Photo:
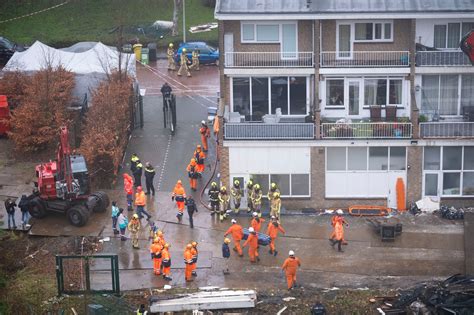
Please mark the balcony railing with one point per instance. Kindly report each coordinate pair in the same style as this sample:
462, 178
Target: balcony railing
441, 58
364, 59
264, 131
380, 130
269, 59
447, 130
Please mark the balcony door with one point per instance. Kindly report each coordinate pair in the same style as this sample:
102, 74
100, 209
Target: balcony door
354, 97
289, 42
344, 41
229, 49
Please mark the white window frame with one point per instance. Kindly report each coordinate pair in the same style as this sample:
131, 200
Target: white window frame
290, 182
256, 41
458, 109
387, 97
447, 33
382, 40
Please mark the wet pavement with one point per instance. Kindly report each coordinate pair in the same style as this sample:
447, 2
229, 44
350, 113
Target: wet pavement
428, 246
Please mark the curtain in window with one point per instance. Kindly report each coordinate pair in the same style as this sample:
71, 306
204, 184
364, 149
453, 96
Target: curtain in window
467, 91
448, 101
466, 27
440, 36
395, 96
454, 30
429, 94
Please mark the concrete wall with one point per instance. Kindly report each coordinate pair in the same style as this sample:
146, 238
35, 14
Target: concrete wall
425, 29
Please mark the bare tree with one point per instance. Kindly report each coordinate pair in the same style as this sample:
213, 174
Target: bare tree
177, 6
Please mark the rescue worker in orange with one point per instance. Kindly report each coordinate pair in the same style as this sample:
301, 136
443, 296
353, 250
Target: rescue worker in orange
188, 262
290, 266
179, 194
205, 134
194, 251
155, 250
192, 174
140, 202
273, 229
338, 217
256, 222
200, 157
128, 187
237, 233
338, 235
252, 242
166, 262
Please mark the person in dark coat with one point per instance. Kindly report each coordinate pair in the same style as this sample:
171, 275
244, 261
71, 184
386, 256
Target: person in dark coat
226, 255
10, 207
24, 206
191, 207
137, 174
149, 175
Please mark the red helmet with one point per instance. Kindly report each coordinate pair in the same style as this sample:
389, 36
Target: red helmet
139, 189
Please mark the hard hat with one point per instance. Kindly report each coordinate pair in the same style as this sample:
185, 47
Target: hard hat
193, 160
194, 243
203, 122
167, 245
276, 195
170, 45
274, 185
139, 188
273, 217
189, 246
291, 253
135, 216
198, 146
236, 182
148, 164
250, 182
179, 181
159, 233
254, 214
184, 50
213, 184
226, 240
251, 229
257, 186
223, 188
233, 221
339, 211
156, 240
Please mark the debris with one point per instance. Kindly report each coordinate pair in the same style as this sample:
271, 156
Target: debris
331, 289
105, 239
327, 211
167, 287
203, 27
364, 210
452, 213
318, 309
428, 205
387, 229
372, 300
288, 299
282, 310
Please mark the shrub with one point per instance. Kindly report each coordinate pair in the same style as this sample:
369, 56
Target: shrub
13, 85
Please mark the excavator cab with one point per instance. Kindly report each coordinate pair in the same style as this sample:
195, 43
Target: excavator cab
80, 173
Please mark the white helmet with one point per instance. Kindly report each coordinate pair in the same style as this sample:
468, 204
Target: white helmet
203, 122
251, 229
339, 211
273, 217
254, 214
291, 253
233, 221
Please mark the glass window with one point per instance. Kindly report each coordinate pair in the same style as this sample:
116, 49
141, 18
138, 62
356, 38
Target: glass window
451, 183
298, 95
431, 158
259, 97
375, 92
336, 159
431, 184
241, 95
248, 32
439, 36
395, 90
468, 158
468, 184
357, 159
452, 158
448, 101
378, 158
466, 27
300, 184
429, 93
262, 180
397, 158
467, 93
387, 31
283, 182
363, 31
279, 94
268, 33
454, 35
335, 92
378, 31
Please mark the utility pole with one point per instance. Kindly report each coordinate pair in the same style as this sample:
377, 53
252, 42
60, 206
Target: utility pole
184, 21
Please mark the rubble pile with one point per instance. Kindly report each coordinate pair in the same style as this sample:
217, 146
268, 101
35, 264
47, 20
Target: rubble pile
451, 213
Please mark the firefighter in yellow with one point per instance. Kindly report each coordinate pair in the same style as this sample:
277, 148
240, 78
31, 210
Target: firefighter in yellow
195, 60
184, 63
170, 55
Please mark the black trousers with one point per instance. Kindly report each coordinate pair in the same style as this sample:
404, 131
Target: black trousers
214, 206
191, 224
339, 244
138, 180
149, 186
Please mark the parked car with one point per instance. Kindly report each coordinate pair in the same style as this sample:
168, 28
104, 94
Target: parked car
207, 54
8, 48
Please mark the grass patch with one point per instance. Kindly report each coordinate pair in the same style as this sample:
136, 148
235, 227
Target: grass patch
92, 20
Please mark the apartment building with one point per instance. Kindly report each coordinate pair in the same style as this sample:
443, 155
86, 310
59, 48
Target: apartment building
336, 100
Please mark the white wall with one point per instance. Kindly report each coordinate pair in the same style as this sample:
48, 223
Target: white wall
425, 29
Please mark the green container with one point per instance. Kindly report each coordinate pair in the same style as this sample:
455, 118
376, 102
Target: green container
145, 54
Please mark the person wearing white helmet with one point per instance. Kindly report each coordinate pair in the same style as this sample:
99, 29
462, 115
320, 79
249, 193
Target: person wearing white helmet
274, 227
205, 134
237, 233
170, 56
256, 222
252, 241
290, 266
335, 218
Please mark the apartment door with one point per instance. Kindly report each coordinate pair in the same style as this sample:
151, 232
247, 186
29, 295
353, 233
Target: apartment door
354, 97
344, 42
229, 49
289, 44
243, 179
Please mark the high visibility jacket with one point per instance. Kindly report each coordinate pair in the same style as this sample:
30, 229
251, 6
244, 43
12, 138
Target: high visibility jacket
128, 184
236, 231
236, 192
179, 193
339, 231
191, 169
195, 54
257, 196
224, 197
204, 131
199, 156
184, 59
273, 230
149, 172
275, 204
165, 257
257, 224
214, 194
134, 225
252, 241
271, 192
133, 162
155, 249
170, 52
291, 264
188, 256
140, 199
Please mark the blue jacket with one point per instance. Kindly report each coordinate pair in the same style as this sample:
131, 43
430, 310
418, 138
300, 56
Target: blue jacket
115, 211
225, 250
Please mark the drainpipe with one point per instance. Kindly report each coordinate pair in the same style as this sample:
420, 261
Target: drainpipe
415, 113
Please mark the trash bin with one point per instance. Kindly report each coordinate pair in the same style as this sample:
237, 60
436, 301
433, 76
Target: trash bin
137, 49
145, 55
152, 52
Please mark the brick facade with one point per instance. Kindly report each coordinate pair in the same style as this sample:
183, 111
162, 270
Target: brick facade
414, 173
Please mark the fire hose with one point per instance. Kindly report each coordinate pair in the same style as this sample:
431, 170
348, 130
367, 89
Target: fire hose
205, 205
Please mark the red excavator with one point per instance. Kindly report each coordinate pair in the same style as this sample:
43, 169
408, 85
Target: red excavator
63, 186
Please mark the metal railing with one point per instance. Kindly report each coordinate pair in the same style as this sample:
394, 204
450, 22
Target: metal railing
441, 58
269, 59
264, 131
447, 130
379, 130
369, 59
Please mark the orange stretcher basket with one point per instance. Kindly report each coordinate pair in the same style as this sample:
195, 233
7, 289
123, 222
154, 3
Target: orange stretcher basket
364, 210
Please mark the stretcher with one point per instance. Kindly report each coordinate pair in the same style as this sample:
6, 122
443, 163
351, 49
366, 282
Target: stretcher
263, 239
364, 210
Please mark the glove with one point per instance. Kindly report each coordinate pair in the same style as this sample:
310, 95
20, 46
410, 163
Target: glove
172, 198
152, 255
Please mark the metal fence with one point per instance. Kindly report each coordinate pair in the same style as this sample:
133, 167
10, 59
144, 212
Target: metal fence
381, 130
269, 59
263, 131
441, 58
447, 130
370, 59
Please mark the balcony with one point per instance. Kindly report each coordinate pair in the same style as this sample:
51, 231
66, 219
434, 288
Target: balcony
447, 130
378, 130
268, 131
269, 59
441, 59
364, 59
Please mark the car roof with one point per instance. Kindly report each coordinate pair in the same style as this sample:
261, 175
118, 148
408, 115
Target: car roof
188, 44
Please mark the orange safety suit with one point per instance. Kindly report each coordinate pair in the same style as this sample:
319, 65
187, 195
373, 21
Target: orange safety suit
200, 156
192, 173
140, 199
237, 234
272, 231
166, 262
290, 266
194, 251
338, 231
179, 195
252, 241
128, 184
155, 249
334, 220
205, 133
257, 224
188, 261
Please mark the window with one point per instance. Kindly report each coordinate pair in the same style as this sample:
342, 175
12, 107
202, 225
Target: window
468, 158
375, 91
262, 180
452, 158
261, 32
454, 34
241, 95
451, 183
449, 35
397, 158
283, 182
439, 94
259, 97
335, 92
290, 185
440, 36
432, 158
378, 158
279, 86
300, 184
297, 95
467, 92
468, 184
431, 184
395, 92
268, 33
357, 159
373, 31
336, 159
248, 32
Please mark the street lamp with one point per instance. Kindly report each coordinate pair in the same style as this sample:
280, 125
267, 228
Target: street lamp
184, 21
